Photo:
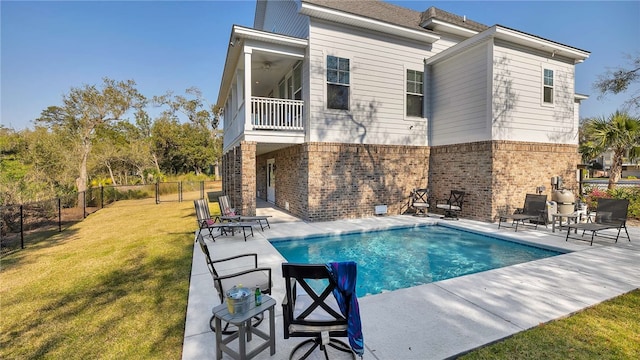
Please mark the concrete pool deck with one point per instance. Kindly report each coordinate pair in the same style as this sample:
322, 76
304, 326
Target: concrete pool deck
437, 320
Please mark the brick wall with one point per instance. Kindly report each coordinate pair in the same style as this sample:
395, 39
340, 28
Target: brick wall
497, 174
239, 177
329, 181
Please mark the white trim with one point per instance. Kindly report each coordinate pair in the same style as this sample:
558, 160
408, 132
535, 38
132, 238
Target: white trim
513, 36
367, 23
439, 25
248, 33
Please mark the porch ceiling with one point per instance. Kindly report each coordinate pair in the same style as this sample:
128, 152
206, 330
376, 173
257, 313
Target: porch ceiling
263, 148
266, 71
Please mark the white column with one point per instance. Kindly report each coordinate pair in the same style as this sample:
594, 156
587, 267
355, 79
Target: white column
247, 89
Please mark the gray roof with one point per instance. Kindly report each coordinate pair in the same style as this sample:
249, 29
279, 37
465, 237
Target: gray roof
435, 13
396, 15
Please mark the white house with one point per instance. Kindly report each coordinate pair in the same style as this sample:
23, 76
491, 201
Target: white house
333, 107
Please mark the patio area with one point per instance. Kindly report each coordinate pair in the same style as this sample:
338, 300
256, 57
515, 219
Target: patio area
437, 320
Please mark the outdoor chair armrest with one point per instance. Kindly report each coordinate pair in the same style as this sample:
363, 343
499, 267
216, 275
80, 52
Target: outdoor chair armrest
254, 255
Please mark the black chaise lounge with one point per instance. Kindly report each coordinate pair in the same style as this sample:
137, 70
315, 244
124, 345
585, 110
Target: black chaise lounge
610, 214
532, 212
230, 214
205, 222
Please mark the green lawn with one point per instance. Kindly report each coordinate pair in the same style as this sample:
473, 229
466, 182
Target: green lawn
610, 330
115, 287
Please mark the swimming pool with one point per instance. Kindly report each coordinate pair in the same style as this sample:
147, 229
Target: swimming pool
400, 258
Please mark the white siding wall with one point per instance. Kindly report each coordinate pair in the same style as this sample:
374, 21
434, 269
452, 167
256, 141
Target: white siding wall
378, 65
460, 92
518, 111
282, 17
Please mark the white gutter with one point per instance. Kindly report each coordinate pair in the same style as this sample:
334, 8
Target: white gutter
320, 12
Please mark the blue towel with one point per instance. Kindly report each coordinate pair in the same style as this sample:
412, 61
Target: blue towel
344, 274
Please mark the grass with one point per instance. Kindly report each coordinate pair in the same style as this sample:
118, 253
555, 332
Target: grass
115, 286
610, 330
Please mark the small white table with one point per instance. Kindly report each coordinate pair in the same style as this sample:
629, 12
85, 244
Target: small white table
245, 330
575, 217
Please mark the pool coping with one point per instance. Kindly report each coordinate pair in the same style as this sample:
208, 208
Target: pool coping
446, 318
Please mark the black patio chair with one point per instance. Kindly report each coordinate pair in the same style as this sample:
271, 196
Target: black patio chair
453, 205
245, 271
310, 310
420, 201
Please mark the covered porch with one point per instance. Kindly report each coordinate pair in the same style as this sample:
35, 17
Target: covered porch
261, 90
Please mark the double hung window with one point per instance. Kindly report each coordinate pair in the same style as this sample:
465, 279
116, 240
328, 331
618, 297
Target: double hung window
415, 93
337, 83
547, 86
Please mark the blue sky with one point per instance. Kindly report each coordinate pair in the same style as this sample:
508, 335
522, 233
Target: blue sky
48, 47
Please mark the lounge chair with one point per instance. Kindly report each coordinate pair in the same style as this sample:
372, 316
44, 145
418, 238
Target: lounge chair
420, 201
310, 310
532, 212
249, 274
230, 214
453, 205
610, 214
205, 222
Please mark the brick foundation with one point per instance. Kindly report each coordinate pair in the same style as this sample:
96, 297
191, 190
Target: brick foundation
330, 181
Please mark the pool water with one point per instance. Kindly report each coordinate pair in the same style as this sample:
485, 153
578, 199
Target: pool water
400, 258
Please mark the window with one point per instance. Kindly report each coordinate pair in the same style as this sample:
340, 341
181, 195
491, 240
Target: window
337, 83
547, 87
415, 93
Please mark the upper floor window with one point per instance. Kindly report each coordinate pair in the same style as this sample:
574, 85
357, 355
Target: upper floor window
415, 93
547, 87
337, 83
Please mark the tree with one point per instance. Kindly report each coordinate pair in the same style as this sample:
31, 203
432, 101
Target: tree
196, 109
618, 80
85, 109
619, 133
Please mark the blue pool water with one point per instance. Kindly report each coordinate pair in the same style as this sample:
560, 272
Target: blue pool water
400, 258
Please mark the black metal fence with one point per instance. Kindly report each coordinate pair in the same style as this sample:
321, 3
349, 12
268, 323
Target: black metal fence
21, 223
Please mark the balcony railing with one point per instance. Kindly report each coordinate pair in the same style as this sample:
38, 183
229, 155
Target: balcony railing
276, 114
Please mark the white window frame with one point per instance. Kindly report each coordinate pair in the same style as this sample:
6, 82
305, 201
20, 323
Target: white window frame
327, 82
407, 92
545, 86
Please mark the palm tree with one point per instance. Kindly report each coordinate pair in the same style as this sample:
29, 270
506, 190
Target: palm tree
619, 133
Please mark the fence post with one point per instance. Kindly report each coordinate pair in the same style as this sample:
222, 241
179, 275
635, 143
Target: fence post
157, 193
21, 228
84, 204
101, 196
202, 189
59, 215
180, 191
